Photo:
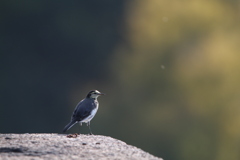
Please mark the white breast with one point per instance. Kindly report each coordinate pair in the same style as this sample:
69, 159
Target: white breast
90, 117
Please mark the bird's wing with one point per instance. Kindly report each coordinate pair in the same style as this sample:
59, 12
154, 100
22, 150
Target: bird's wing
83, 109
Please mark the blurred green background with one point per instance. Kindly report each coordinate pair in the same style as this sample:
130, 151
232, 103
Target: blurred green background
170, 70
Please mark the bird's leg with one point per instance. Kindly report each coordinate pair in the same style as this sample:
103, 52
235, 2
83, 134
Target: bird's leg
80, 124
89, 128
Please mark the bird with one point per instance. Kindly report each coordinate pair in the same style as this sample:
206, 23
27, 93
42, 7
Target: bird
85, 110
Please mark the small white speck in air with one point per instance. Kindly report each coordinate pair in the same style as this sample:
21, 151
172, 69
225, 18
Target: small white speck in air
165, 19
162, 66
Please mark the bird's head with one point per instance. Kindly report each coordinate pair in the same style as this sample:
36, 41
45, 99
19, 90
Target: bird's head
94, 94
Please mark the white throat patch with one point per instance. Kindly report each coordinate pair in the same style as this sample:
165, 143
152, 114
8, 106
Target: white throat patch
94, 96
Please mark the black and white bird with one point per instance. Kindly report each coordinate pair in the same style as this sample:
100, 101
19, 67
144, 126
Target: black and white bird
85, 110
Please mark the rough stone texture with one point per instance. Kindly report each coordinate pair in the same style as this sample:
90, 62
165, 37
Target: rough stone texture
58, 146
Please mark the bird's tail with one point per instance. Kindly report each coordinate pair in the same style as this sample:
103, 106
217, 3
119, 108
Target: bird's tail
69, 125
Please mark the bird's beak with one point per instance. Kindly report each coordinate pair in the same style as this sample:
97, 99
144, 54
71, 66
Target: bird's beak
101, 94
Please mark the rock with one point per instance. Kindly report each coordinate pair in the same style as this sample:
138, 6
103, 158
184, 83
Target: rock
59, 146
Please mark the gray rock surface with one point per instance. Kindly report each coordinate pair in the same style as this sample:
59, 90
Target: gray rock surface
59, 146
